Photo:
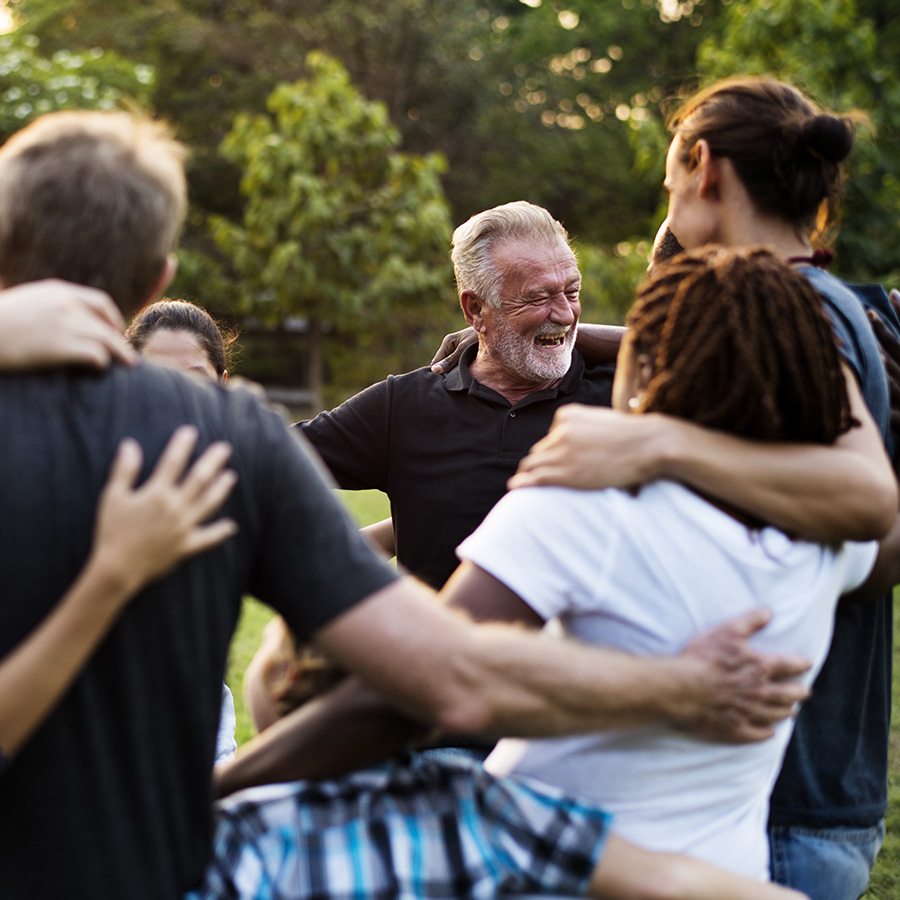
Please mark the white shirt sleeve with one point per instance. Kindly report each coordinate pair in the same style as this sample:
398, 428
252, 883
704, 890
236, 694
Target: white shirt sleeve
859, 560
548, 545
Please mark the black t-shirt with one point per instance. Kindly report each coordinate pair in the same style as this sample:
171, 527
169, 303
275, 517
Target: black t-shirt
111, 798
442, 447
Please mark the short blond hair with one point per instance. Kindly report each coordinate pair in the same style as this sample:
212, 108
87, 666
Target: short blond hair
475, 240
92, 197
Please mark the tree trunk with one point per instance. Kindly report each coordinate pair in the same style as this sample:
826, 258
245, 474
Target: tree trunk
314, 374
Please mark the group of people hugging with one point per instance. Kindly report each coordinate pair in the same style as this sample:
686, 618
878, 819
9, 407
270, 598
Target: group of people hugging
637, 640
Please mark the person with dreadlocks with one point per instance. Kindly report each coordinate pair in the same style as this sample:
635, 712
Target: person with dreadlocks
755, 161
640, 572
733, 340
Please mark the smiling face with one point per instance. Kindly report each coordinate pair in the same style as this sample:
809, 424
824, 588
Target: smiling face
532, 332
178, 349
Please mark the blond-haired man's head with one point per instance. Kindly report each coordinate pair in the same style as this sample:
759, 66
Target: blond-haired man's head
95, 198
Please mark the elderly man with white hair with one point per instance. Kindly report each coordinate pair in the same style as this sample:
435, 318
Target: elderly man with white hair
442, 446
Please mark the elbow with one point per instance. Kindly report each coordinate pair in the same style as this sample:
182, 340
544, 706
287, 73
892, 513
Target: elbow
465, 716
878, 511
863, 509
461, 703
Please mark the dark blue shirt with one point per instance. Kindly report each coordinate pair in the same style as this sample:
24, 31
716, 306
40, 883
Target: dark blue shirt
835, 770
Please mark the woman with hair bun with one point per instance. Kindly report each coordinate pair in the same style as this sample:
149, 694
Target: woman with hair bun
784, 152
753, 161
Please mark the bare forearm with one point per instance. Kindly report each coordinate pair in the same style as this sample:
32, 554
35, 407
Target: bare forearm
349, 727
35, 675
599, 343
382, 535
845, 491
434, 664
826, 493
572, 688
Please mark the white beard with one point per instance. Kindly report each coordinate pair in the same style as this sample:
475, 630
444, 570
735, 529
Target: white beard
525, 359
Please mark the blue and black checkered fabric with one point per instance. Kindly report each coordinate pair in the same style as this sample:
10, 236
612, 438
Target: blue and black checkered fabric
447, 829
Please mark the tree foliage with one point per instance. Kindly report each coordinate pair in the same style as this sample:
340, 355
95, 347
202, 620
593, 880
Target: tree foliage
842, 53
338, 227
560, 102
32, 84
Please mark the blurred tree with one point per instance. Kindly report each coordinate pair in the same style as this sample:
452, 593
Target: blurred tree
338, 228
609, 278
32, 84
557, 101
532, 100
573, 84
844, 54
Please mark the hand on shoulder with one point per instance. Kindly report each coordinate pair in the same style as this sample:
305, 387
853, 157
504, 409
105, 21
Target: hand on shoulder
50, 323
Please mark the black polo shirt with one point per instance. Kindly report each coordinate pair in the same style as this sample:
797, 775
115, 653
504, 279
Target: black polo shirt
442, 448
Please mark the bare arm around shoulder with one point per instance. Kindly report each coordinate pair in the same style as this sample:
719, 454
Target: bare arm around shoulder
54, 323
431, 662
382, 535
141, 534
846, 491
599, 343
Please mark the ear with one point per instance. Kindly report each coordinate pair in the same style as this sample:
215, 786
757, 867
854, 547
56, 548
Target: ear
644, 371
291, 671
706, 167
473, 308
170, 267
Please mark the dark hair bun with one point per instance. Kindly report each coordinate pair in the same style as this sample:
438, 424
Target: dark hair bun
828, 137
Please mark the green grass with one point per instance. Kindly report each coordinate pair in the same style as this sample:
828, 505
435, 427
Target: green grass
366, 507
885, 883
371, 506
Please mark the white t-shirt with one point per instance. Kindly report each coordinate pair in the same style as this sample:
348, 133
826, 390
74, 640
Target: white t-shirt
645, 574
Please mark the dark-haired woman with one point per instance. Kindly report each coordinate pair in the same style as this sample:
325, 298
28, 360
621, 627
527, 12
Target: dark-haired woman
754, 161
180, 335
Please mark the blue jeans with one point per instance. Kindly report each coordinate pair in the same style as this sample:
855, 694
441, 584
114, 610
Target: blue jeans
826, 863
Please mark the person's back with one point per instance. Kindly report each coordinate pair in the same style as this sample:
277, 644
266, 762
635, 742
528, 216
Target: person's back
645, 572
112, 796
851, 705
654, 570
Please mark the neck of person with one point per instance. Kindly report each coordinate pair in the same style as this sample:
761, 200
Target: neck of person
748, 227
492, 374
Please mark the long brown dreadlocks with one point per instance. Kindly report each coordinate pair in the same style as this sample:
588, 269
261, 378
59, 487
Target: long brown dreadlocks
739, 341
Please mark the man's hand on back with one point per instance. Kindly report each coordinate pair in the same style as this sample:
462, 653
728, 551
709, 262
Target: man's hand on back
743, 693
